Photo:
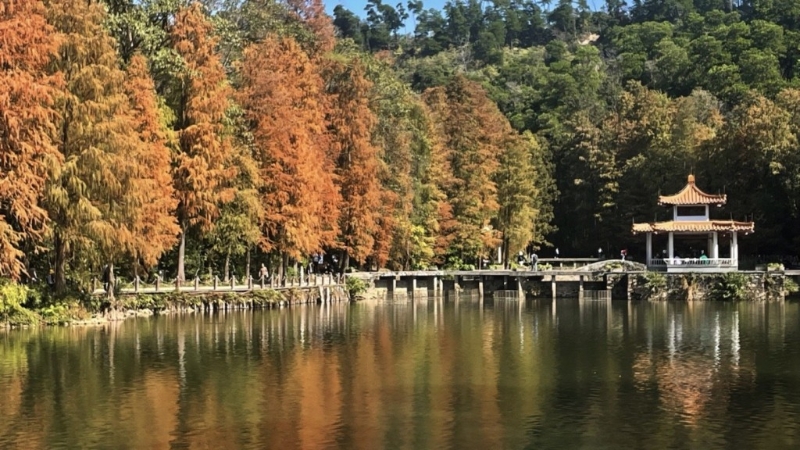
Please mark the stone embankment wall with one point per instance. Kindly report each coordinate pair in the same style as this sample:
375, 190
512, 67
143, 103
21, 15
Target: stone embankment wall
652, 286
745, 286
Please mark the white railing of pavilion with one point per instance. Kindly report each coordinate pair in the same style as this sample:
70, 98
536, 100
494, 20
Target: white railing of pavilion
693, 262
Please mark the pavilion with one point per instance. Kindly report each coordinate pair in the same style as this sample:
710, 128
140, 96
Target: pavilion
691, 219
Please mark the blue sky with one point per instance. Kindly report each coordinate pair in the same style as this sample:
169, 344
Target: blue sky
357, 6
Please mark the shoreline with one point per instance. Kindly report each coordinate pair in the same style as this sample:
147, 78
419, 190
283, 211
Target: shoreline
74, 313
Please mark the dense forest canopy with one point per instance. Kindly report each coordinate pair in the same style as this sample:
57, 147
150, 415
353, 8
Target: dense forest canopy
216, 135
628, 100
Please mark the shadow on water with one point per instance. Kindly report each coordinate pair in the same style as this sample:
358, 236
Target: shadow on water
428, 372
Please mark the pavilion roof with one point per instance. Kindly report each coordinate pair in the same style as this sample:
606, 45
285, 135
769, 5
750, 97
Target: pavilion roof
693, 226
692, 195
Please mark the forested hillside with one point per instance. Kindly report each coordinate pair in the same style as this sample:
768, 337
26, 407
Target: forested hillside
627, 100
217, 135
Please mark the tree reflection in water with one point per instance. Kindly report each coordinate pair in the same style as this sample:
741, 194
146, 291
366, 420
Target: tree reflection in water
430, 373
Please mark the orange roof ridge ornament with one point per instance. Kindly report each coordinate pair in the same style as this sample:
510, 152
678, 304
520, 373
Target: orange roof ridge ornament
691, 195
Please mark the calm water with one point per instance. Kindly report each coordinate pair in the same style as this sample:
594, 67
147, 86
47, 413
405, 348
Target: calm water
429, 374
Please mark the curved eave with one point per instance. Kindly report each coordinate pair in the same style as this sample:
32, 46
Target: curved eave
694, 227
692, 195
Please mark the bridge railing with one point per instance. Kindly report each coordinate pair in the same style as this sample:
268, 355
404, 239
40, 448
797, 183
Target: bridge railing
231, 285
568, 262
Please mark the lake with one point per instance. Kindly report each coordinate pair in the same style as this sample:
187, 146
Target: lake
413, 375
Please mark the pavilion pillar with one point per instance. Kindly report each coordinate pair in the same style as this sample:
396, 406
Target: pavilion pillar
715, 246
649, 248
734, 248
671, 246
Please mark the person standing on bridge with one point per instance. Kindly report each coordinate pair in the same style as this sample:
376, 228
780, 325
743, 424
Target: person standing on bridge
106, 277
521, 259
556, 252
263, 274
534, 261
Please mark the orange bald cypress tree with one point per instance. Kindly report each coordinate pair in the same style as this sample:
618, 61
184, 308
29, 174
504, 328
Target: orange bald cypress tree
351, 123
312, 14
200, 99
95, 200
155, 229
27, 153
281, 93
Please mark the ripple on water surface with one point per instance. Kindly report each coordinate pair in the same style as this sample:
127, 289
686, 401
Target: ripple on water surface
429, 373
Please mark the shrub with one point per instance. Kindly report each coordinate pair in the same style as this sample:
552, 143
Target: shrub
732, 286
455, 263
265, 297
63, 313
655, 282
181, 299
355, 286
789, 286
775, 267
12, 297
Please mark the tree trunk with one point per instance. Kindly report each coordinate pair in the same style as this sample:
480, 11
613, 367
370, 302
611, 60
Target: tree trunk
227, 265
247, 266
111, 281
61, 264
505, 251
182, 254
284, 265
345, 262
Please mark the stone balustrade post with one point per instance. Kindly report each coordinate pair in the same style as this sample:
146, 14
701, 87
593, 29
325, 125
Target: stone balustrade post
196, 283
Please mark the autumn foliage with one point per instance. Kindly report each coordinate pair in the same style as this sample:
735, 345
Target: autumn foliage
28, 156
473, 131
155, 229
96, 199
285, 145
200, 98
281, 93
351, 124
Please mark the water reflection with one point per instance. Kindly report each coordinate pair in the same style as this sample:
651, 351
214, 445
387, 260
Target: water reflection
415, 373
